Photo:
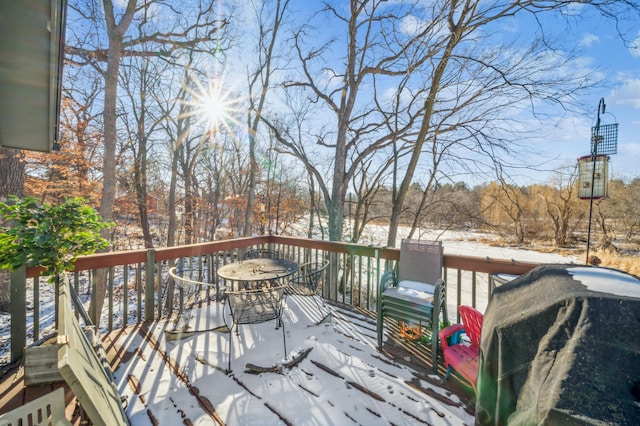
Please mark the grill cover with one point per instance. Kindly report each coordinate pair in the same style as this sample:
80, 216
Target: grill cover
561, 345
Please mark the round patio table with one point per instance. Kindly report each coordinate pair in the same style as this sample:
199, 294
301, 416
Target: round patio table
255, 273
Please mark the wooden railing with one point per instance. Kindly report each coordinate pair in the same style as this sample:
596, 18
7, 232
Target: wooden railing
138, 287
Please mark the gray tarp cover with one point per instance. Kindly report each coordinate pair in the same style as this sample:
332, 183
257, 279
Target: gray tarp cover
561, 345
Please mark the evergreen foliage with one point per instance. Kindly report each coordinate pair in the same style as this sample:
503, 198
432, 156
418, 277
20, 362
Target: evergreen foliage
50, 236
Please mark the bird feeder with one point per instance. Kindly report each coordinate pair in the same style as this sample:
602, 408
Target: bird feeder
592, 184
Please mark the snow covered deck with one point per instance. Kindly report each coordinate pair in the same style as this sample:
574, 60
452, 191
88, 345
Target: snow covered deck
332, 373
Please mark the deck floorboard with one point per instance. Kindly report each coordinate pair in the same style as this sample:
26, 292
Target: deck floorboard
121, 348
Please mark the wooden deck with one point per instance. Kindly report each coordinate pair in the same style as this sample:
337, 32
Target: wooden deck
141, 344
14, 393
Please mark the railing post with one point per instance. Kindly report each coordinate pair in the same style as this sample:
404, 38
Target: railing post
125, 294
110, 299
333, 276
150, 274
473, 288
36, 309
459, 293
19, 312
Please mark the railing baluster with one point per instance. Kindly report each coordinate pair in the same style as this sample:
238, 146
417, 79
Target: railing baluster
125, 295
459, 293
447, 296
110, 293
36, 309
343, 278
76, 286
150, 267
341, 275
18, 312
157, 272
139, 291
92, 287
473, 289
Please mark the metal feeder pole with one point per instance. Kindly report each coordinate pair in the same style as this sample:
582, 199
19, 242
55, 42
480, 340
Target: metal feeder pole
594, 155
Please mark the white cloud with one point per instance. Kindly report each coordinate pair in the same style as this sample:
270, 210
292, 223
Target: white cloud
412, 25
628, 93
588, 39
573, 9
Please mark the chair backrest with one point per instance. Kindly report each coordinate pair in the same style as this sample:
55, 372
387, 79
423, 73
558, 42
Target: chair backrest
311, 273
184, 283
420, 261
90, 379
261, 254
50, 408
472, 321
256, 306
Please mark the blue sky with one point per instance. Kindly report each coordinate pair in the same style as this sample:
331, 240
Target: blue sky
604, 54
609, 59
619, 64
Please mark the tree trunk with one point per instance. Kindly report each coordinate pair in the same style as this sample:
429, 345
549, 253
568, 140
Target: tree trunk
11, 183
171, 228
11, 173
140, 168
253, 169
339, 187
114, 54
455, 36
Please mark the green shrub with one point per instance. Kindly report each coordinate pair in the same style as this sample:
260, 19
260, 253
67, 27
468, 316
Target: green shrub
51, 236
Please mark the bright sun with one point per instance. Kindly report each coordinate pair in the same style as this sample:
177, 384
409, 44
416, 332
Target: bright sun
213, 107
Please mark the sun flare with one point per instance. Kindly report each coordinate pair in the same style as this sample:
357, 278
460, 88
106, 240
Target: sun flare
213, 107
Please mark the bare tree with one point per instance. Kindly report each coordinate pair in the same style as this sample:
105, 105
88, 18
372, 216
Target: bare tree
345, 90
505, 207
102, 44
460, 78
260, 81
292, 131
140, 80
465, 88
186, 142
562, 207
628, 207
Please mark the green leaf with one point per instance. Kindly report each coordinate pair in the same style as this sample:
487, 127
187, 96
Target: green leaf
51, 236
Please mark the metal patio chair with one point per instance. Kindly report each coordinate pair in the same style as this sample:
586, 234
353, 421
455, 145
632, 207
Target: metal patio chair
255, 307
193, 292
261, 253
308, 279
416, 293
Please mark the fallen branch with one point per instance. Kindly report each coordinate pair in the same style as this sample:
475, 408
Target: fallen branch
297, 359
256, 369
183, 333
203, 361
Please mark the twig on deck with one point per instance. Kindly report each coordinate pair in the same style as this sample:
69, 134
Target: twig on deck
202, 360
184, 332
256, 369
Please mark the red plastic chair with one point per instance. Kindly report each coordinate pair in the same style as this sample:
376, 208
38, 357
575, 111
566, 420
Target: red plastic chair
459, 355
